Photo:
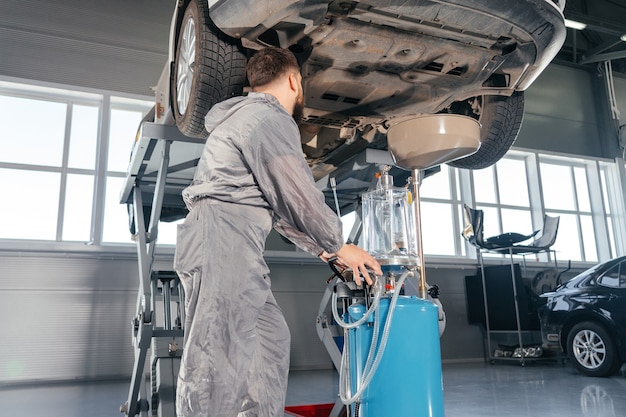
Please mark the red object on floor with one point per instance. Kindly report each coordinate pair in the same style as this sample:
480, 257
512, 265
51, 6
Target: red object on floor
312, 410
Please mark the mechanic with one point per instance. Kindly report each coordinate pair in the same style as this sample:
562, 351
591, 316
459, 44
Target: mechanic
251, 177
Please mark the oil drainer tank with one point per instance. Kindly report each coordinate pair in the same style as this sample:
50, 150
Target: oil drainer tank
391, 363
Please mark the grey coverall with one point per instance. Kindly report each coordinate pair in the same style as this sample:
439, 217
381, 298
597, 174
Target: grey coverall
251, 177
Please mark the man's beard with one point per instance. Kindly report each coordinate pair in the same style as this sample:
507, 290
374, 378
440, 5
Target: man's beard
298, 109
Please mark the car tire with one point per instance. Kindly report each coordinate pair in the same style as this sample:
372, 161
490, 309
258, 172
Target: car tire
500, 118
592, 350
209, 67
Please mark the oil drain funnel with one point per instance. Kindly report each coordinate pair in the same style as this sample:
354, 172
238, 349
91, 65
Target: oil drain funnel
423, 142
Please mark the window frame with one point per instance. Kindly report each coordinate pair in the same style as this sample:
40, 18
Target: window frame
456, 207
595, 192
105, 102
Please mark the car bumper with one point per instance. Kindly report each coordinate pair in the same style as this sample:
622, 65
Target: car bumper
551, 337
550, 329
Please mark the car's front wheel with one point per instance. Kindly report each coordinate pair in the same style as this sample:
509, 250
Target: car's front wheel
592, 350
209, 68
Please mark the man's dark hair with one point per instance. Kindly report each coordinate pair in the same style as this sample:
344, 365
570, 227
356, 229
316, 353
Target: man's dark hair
268, 64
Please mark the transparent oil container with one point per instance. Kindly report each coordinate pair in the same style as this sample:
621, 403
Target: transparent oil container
389, 231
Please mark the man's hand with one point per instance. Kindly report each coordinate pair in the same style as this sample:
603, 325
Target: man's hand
358, 260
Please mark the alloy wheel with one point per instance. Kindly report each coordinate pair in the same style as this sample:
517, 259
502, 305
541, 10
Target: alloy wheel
589, 349
186, 62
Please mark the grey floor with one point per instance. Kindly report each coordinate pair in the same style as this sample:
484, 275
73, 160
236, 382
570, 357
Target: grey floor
470, 390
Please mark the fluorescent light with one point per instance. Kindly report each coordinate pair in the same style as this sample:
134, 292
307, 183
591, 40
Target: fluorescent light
623, 37
575, 25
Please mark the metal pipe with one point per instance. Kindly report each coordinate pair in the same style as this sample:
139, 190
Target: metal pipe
333, 186
416, 176
490, 354
167, 303
516, 305
159, 193
181, 303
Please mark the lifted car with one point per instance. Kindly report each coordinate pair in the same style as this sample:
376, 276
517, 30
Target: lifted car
367, 65
586, 318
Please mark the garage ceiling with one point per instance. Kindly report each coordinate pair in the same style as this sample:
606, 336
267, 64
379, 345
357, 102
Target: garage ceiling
604, 34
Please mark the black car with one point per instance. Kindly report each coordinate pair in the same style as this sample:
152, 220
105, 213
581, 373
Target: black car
586, 317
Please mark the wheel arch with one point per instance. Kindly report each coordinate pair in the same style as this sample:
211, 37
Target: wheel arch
591, 316
177, 20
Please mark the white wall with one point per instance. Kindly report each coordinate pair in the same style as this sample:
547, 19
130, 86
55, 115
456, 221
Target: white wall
112, 45
69, 316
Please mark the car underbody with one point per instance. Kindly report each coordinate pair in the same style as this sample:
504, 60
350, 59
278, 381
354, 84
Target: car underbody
368, 65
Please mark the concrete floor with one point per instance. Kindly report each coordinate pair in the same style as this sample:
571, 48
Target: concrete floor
470, 390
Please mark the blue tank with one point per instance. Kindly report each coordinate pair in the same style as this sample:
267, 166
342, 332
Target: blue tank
408, 381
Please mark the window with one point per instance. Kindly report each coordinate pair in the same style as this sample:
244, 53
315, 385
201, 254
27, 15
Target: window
32, 131
440, 208
83, 137
566, 193
33, 208
78, 208
520, 189
49, 142
31, 161
611, 278
116, 228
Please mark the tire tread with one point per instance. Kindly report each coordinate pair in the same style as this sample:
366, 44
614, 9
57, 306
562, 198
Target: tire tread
220, 66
